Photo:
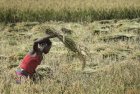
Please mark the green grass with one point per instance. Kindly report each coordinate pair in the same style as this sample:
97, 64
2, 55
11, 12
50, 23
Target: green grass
90, 15
68, 11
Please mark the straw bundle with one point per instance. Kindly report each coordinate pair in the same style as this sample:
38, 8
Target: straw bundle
68, 42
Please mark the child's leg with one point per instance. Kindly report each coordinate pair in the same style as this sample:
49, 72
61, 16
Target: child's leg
20, 78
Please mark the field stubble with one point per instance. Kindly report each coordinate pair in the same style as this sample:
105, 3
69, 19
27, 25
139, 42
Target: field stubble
113, 64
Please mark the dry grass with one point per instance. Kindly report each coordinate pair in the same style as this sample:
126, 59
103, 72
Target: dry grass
68, 42
68, 4
112, 68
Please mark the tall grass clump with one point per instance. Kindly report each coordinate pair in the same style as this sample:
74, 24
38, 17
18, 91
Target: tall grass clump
68, 11
69, 43
14, 15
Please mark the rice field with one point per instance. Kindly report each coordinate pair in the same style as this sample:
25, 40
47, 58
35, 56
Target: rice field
67, 10
112, 61
97, 51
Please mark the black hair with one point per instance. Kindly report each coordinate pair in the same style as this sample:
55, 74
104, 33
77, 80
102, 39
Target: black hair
48, 42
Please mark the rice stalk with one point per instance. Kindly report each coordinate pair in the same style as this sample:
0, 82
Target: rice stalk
69, 43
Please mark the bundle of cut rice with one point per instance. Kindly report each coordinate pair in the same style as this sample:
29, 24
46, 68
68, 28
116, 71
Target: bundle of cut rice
68, 42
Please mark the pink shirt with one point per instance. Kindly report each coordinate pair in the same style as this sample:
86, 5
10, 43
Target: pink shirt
30, 63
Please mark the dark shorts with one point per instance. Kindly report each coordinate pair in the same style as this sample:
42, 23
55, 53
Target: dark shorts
21, 74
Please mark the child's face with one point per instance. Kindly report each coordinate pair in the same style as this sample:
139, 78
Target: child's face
46, 49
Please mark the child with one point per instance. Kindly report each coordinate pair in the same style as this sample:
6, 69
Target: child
32, 59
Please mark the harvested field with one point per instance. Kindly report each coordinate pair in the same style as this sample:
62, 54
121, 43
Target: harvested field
112, 61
